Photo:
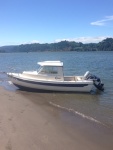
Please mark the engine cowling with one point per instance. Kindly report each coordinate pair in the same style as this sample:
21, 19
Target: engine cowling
96, 81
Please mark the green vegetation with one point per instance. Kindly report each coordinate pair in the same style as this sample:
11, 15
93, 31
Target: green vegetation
105, 45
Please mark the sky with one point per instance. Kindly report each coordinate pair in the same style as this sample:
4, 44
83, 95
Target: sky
49, 21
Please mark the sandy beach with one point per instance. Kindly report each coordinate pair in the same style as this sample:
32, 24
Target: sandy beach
28, 122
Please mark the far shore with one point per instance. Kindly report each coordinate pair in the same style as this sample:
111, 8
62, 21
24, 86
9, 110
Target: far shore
29, 122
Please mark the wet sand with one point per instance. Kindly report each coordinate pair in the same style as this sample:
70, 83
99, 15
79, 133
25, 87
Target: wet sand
29, 122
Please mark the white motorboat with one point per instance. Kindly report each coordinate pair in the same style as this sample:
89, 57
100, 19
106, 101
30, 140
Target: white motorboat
50, 76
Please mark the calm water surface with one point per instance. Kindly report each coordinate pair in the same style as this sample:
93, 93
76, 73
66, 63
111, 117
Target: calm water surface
96, 106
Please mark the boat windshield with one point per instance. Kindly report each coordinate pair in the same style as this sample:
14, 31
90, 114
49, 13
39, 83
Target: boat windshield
39, 69
48, 70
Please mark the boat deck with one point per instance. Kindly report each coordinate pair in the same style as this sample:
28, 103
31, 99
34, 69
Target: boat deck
73, 78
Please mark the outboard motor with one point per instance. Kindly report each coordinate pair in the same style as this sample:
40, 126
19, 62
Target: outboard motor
96, 81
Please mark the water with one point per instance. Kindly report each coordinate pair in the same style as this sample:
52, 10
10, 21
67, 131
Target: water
96, 106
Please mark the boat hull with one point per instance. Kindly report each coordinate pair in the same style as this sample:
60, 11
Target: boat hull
80, 86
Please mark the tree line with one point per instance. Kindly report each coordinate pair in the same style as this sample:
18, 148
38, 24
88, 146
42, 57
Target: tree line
105, 45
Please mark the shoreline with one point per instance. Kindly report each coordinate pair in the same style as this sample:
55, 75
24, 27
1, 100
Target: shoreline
28, 121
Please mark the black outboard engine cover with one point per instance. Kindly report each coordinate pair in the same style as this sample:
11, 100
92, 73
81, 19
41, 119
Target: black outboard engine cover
99, 86
96, 81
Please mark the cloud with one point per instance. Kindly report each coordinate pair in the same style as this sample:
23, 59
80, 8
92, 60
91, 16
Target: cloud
84, 39
103, 21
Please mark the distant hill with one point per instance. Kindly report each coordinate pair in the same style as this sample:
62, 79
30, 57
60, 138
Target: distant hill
7, 49
105, 45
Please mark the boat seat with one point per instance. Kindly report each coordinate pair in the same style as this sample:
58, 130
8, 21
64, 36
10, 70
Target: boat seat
78, 78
